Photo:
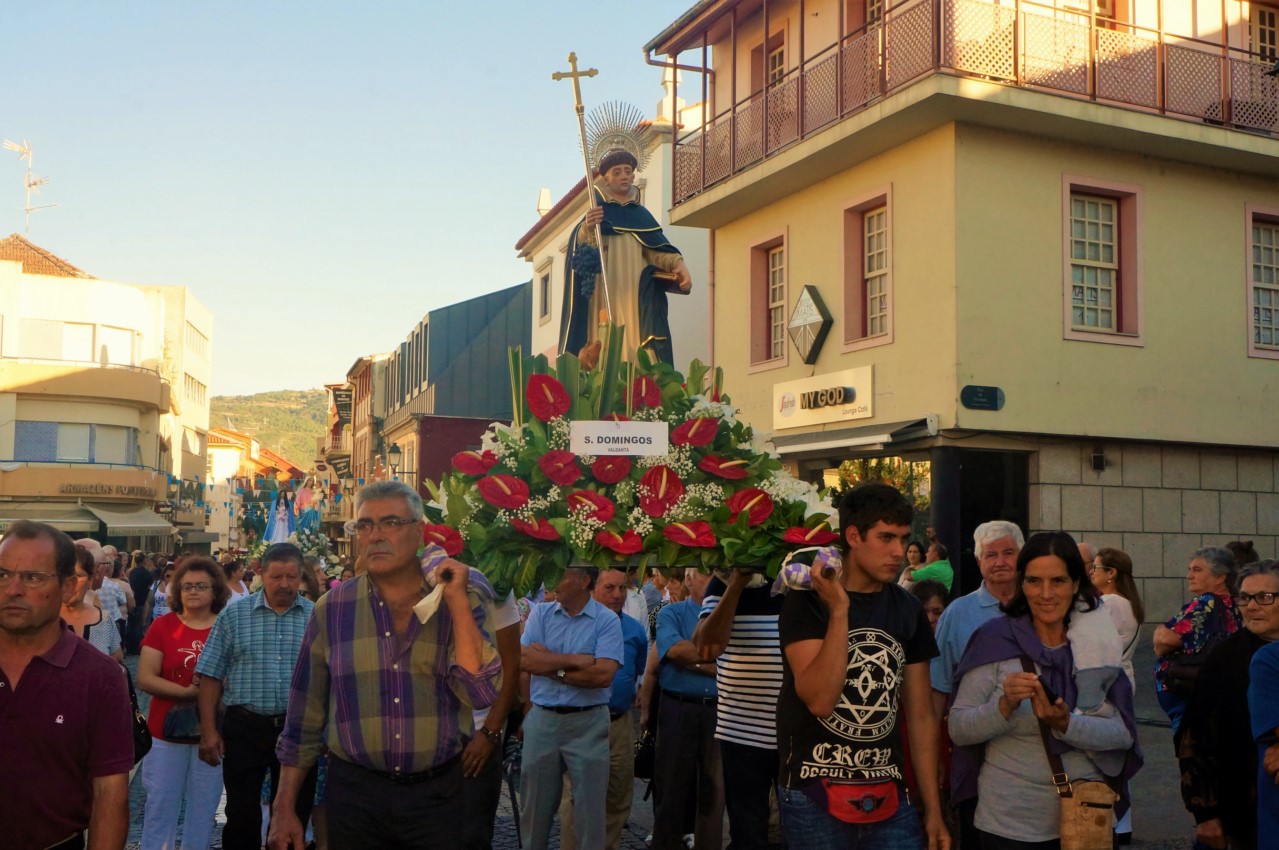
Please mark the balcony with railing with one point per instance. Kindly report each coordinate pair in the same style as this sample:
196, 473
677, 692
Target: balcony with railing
1022, 44
334, 444
87, 379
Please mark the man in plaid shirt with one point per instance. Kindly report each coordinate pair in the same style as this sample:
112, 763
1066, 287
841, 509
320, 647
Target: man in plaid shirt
390, 696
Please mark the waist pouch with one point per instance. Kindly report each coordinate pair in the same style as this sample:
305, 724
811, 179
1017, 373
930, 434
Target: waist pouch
854, 802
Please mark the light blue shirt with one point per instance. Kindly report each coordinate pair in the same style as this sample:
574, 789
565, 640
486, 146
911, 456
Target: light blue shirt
635, 643
958, 622
676, 622
594, 631
252, 649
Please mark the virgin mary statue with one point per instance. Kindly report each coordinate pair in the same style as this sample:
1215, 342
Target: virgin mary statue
279, 523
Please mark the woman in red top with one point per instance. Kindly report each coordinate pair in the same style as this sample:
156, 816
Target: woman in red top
172, 771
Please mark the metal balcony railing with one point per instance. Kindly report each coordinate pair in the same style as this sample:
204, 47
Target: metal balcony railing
330, 443
88, 364
1022, 43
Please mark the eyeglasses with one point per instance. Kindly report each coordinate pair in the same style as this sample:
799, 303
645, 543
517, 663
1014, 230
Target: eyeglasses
29, 578
192, 587
384, 525
1266, 597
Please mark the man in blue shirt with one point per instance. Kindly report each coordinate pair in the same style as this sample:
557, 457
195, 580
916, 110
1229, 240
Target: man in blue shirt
611, 591
687, 770
247, 663
570, 651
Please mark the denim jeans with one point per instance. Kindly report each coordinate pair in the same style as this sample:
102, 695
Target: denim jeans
807, 825
171, 774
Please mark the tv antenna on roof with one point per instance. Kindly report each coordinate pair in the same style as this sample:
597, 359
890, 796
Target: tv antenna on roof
30, 181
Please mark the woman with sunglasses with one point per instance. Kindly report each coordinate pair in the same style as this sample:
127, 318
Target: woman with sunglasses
84, 615
173, 772
1216, 749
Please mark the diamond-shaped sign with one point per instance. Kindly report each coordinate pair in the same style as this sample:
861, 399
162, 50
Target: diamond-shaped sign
809, 324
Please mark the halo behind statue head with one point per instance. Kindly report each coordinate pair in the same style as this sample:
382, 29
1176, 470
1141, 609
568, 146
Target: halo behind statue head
618, 126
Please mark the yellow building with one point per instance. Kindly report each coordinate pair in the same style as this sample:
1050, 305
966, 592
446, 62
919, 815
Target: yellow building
98, 432
1044, 236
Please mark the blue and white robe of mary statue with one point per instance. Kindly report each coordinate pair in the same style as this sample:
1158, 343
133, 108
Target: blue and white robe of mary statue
279, 523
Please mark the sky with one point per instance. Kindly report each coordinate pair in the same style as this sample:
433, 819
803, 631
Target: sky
319, 174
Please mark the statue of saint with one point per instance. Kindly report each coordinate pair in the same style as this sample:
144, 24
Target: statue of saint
641, 267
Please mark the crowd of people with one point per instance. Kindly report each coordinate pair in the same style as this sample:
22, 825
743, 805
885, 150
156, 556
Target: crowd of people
864, 708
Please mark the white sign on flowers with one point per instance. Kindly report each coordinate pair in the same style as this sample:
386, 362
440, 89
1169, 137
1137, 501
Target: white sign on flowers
606, 437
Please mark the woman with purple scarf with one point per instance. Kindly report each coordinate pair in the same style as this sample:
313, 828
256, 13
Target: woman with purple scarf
998, 706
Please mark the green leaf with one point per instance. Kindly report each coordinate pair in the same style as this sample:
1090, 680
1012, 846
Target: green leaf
610, 362
519, 406
433, 489
538, 441
526, 579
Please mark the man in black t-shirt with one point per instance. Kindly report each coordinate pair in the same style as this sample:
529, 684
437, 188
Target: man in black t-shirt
855, 655
140, 580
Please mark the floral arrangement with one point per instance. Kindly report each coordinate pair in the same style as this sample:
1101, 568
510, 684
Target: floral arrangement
313, 542
524, 507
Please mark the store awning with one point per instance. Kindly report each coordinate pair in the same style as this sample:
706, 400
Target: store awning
200, 536
137, 522
61, 515
866, 437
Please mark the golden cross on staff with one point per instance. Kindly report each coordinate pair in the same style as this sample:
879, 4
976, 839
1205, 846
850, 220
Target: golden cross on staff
576, 75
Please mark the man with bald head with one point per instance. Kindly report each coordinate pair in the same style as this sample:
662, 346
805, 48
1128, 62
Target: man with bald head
1088, 552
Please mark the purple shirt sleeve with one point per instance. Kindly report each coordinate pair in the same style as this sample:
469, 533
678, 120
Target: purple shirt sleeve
302, 738
481, 688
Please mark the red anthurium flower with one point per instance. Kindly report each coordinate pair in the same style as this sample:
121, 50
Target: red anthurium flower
659, 489
446, 538
754, 501
691, 534
474, 463
610, 470
546, 397
819, 536
600, 508
539, 528
626, 543
503, 491
724, 468
615, 417
645, 392
695, 432
560, 466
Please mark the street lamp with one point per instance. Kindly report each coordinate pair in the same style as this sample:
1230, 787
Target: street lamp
393, 456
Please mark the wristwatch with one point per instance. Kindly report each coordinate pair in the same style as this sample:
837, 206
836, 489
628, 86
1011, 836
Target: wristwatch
559, 674
494, 736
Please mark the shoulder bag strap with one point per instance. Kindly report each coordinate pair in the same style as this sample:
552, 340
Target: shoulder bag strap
1060, 780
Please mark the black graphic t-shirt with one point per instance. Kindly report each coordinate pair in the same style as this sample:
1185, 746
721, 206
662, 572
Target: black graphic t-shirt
861, 740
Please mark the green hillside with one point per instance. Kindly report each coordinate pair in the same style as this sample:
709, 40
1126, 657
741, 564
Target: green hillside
285, 421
